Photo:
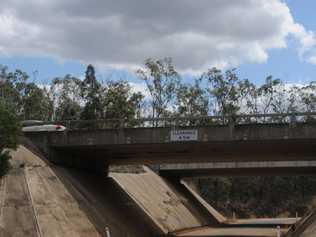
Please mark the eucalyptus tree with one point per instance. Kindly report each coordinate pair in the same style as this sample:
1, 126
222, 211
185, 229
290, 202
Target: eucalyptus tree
162, 81
308, 97
248, 97
192, 100
267, 92
224, 90
92, 96
37, 104
120, 102
28, 100
13, 85
66, 95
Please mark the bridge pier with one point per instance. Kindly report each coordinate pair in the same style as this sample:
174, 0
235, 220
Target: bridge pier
189, 192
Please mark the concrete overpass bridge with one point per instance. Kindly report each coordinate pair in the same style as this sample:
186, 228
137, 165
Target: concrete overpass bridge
244, 144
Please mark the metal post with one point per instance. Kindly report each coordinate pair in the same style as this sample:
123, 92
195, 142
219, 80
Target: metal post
107, 232
278, 231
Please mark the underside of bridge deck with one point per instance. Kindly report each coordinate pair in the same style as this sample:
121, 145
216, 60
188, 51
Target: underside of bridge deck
191, 152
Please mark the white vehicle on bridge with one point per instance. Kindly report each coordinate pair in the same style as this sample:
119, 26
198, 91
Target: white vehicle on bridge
40, 126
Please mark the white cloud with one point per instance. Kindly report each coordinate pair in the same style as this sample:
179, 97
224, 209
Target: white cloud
122, 33
312, 60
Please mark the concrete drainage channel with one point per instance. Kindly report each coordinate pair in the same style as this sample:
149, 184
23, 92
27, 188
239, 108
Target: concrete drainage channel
43, 201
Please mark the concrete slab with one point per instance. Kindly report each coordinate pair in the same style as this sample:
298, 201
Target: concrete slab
213, 213
35, 203
17, 215
230, 232
168, 209
64, 203
57, 212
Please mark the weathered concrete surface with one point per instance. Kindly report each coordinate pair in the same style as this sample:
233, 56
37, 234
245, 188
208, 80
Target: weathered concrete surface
306, 227
227, 232
238, 168
261, 142
37, 200
264, 222
162, 135
40, 200
310, 231
34, 202
161, 202
17, 215
214, 213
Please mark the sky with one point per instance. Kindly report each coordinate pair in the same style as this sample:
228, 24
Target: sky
50, 38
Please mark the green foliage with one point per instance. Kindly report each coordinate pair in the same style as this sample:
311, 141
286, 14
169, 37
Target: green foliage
225, 90
192, 100
37, 104
66, 94
267, 92
26, 99
9, 131
120, 102
260, 196
92, 95
308, 96
9, 127
13, 88
4, 163
162, 81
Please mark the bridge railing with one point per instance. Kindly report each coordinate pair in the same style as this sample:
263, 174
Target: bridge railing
288, 118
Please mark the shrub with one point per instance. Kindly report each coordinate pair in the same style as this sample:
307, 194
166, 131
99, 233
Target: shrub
9, 131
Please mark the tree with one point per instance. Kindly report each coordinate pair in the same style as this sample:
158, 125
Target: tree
28, 100
66, 96
92, 96
192, 100
224, 88
162, 81
249, 97
13, 86
120, 102
308, 97
9, 130
36, 103
266, 93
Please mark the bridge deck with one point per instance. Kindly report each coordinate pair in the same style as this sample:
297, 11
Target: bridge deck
240, 143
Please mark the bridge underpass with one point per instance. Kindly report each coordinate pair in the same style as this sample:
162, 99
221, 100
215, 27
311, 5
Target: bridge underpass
213, 144
248, 149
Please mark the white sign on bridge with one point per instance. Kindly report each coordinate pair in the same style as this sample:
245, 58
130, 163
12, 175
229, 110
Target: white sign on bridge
183, 135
